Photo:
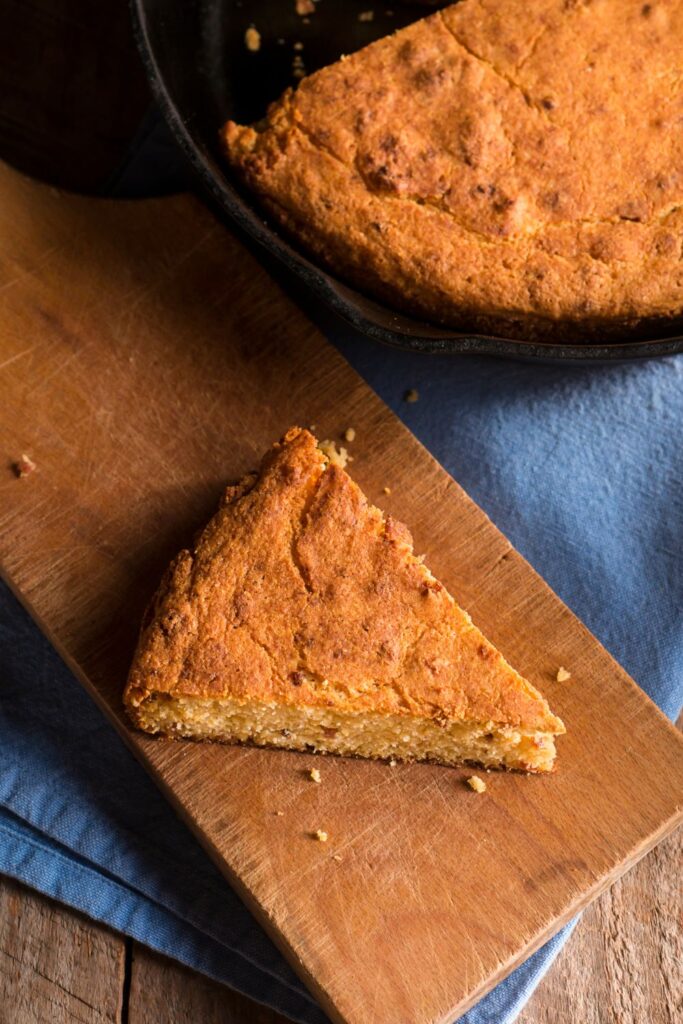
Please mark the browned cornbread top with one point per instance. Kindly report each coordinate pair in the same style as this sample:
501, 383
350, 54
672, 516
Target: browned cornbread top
505, 157
299, 591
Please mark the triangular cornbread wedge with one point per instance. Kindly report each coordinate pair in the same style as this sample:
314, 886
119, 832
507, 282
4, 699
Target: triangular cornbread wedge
302, 619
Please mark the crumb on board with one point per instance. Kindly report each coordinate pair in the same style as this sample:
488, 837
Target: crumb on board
336, 856
314, 775
477, 784
279, 814
393, 763
252, 39
335, 456
304, 7
349, 434
24, 466
386, 490
320, 835
366, 16
563, 675
411, 395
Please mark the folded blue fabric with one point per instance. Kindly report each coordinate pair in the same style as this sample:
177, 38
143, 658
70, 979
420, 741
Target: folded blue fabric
580, 467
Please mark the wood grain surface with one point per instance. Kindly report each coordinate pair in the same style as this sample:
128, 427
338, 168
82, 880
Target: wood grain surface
147, 359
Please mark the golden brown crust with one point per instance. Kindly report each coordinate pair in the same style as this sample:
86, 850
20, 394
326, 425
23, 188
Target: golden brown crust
299, 591
514, 161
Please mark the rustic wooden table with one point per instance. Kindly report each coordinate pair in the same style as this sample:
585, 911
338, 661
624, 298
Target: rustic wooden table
71, 94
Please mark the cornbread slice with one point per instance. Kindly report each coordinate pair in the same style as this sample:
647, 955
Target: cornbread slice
507, 165
302, 619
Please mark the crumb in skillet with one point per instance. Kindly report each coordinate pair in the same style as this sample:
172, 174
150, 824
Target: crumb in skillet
252, 39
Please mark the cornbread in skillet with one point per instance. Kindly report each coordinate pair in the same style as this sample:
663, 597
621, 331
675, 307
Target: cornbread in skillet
302, 619
500, 162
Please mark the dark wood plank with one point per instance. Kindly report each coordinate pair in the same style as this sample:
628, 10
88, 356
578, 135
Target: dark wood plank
164, 992
55, 965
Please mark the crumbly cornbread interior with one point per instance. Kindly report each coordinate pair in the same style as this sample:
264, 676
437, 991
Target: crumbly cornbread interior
303, 619
368, 734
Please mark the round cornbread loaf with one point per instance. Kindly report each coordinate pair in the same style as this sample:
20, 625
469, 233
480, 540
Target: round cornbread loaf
510, 165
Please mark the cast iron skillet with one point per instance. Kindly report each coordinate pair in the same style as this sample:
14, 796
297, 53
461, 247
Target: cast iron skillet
202, 73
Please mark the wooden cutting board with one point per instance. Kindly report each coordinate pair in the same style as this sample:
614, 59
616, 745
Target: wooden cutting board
145, 360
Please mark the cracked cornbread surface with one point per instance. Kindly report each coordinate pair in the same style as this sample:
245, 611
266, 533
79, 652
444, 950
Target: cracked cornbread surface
501, 163
303, 619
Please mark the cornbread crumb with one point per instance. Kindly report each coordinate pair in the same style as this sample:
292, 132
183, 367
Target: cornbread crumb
366, 16
315, 775
337, 456
278, 814
393, 763
349, 434
477, 784
298, 46
24, 466
563, 675
336, 856
304, 7
320, 835
252, 39
411, 395
386, 490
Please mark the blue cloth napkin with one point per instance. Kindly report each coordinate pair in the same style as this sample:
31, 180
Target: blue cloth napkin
581, 467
